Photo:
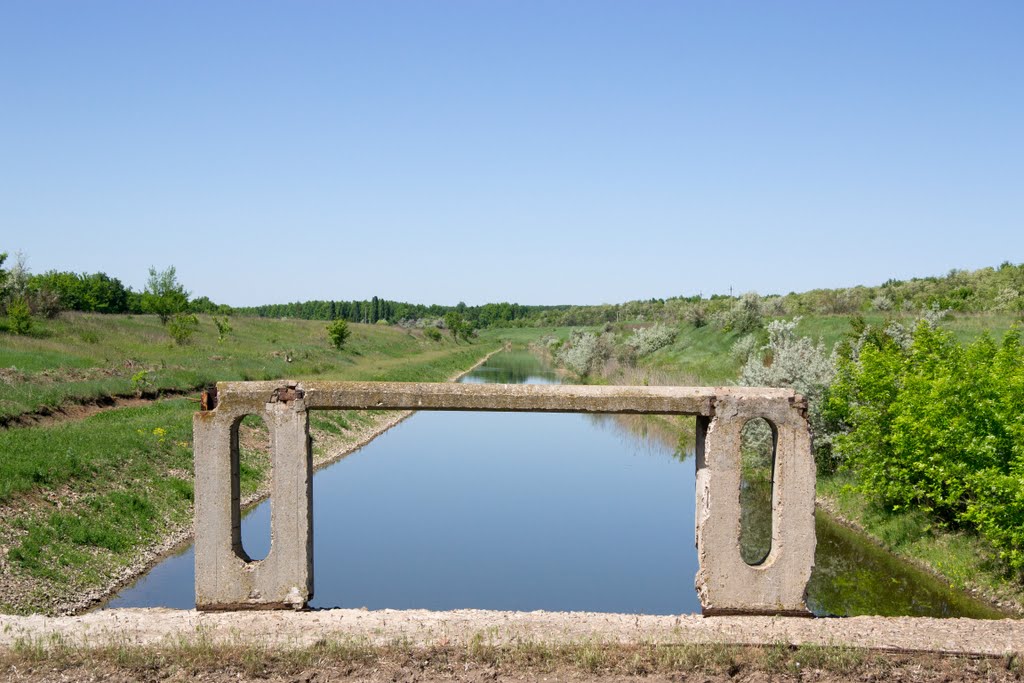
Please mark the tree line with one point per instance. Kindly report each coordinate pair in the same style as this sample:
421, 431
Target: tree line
377, 309
985, 289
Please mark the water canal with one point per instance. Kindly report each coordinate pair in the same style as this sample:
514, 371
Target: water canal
527, 511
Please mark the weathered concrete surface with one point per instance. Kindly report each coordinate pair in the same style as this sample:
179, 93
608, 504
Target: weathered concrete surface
558, 398
725, 583
164, 627
227, 579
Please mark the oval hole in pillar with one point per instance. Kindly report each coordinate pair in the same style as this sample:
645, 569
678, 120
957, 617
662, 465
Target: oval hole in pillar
757, 475
254, 467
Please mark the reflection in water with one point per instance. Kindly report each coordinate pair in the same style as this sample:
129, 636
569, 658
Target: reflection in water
512, 367
757, 471
854, 576
523, 511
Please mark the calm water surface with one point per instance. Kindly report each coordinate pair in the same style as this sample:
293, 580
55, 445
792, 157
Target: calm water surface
525, 511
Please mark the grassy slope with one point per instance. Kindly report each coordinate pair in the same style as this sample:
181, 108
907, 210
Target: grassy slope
80, 499
82, 357
702, 356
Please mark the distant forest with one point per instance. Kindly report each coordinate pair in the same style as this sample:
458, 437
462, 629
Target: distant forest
375, 310
985, 289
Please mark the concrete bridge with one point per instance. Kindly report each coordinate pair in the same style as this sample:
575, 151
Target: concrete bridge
227, 579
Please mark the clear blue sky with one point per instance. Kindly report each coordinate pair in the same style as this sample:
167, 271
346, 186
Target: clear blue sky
539, 152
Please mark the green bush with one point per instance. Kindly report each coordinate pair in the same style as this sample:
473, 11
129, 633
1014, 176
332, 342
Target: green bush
19, 316
223, 328
338, 333
181, 327
432, 333
939, 427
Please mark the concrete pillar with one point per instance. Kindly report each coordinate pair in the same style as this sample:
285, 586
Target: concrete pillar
725, 583
226, 578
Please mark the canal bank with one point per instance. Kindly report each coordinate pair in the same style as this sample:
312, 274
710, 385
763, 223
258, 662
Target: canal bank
179, 538
531, 511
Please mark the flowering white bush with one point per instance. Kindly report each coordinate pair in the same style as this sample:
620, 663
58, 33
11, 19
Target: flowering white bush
584, 352
745, 315
649, 339
744, 347
795, 362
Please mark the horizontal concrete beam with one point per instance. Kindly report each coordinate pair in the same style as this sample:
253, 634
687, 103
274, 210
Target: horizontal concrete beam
553, 398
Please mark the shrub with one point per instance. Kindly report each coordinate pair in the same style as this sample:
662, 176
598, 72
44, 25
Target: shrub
799, 363
744, 348
584, 353
19, 316
938, 426
432, 333
647, 340
746, 314
223, 328
141, 383
338, 333
697, 315
881, 303
181, 327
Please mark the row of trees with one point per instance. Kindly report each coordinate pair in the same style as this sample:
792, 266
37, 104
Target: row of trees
101, 293
24, 295
986, 289
376, 309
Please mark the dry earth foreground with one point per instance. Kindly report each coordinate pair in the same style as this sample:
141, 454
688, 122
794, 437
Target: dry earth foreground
347, 644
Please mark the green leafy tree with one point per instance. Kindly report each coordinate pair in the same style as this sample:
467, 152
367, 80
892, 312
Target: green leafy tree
338, 333
457, 325
164, 295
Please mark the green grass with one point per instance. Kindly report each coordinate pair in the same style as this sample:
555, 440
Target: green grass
126, 443
699, 355
82, 357
82, 498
